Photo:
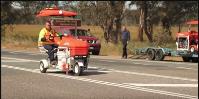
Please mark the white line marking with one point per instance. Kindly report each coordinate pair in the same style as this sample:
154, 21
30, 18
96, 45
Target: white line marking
107, 61
163, 85
154, 75
109, 83
138, 60
13, 61
186, 68
127, 72
13, 52
20, 59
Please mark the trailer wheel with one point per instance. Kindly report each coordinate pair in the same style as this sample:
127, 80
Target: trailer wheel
194, 60
151, 54
159, 55
76, 70
186, 59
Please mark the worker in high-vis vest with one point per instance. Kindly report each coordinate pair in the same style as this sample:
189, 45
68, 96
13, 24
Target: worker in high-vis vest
46, 39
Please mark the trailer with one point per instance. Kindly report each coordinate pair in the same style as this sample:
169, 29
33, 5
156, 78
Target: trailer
186, 43
158, 54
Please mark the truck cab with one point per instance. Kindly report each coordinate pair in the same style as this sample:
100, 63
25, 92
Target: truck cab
187, 43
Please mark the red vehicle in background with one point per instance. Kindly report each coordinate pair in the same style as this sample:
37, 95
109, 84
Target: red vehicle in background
82, 34
187, 43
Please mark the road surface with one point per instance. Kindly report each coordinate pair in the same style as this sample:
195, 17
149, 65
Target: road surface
106, 78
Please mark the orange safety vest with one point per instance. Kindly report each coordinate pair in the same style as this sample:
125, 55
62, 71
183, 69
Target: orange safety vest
49, 35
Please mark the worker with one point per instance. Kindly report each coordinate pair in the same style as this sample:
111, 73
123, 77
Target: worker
46, 39
125, 40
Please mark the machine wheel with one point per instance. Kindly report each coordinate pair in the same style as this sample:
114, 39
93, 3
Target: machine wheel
151, 54
186, 59
76, 70
159, 55
41, 67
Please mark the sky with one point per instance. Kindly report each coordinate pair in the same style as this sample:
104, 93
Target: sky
15, 5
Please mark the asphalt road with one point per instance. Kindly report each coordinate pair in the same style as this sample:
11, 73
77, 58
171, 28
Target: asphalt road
106, 78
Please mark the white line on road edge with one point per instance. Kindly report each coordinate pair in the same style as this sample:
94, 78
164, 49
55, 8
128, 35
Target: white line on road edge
138, 60
22, 52
109, 83
112, 60
163, 85
185, 68
20, 59
154, 75
14, 61
127, 72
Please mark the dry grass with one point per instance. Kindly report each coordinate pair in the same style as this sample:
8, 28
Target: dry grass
25, 36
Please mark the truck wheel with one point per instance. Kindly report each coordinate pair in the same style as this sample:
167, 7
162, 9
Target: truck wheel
151, 54
195, 60
186, 59
159, 56
76, 69
41, 67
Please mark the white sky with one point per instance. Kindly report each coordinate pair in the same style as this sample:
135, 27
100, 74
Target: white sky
133, 7
16, 5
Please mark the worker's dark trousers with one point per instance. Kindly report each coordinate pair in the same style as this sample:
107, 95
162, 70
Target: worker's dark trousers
124, 43
50, 51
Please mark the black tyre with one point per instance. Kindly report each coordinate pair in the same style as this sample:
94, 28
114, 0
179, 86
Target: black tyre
159, 55
151, 54
76, 70
186, 59
41, 67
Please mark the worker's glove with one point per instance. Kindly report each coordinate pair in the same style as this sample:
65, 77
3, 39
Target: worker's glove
43, 39
60, 35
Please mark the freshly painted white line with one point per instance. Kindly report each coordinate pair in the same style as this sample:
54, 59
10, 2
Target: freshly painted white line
163, 85
109, 83
97, 71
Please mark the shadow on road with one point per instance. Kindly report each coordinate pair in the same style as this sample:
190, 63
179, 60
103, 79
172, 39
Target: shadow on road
90, 71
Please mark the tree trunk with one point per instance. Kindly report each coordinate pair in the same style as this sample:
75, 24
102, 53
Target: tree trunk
118, 30
147, 23
166, 25
141, 24
179, 27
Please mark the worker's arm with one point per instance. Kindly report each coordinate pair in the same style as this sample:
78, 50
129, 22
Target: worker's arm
41, 35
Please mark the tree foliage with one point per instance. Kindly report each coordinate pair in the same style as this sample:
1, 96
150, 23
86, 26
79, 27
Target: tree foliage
110, 15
